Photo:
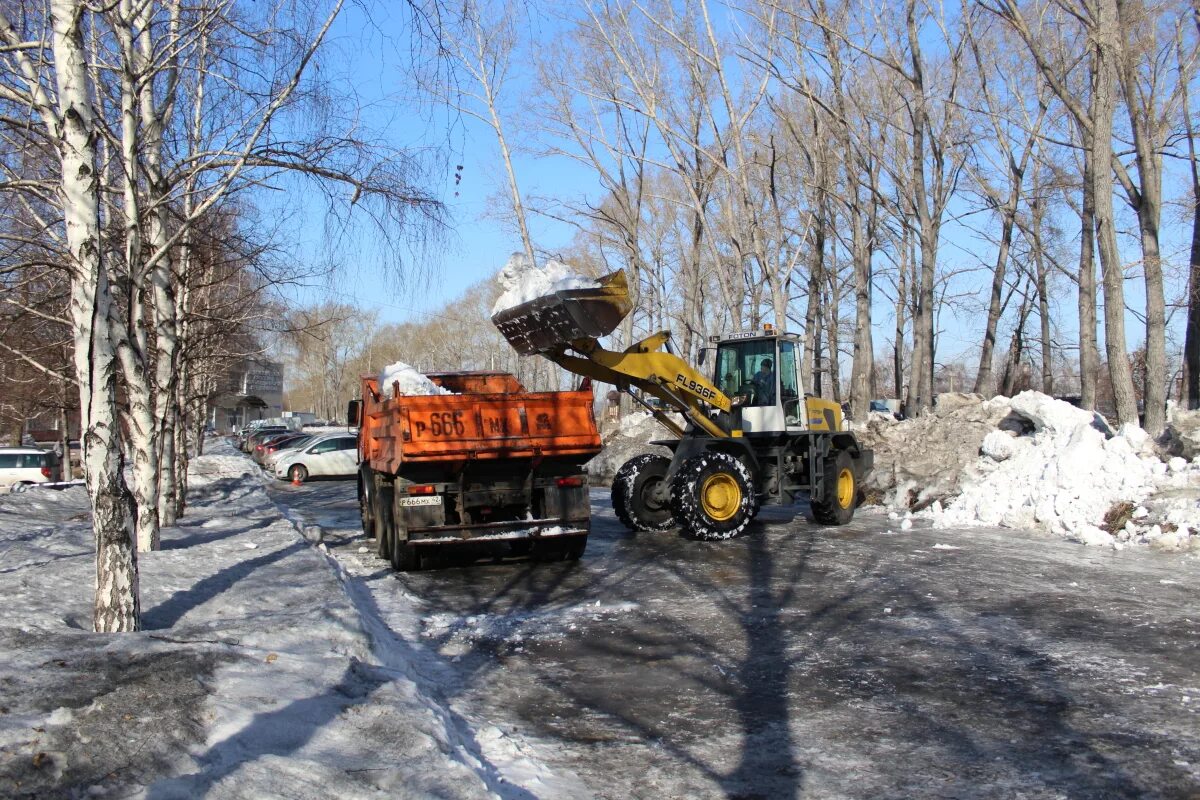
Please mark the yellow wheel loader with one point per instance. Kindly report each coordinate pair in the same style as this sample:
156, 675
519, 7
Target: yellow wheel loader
752, 436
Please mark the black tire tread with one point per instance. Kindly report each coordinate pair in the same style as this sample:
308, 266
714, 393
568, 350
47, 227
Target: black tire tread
829, 512
686, 505
623, 502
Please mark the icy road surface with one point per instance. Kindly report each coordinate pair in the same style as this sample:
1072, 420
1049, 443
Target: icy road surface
859, 662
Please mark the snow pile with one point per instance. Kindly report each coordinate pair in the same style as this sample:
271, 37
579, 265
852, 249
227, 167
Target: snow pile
256, 674
630, 438
922, 460
523, 281
407, 381
1070, 476
221, 462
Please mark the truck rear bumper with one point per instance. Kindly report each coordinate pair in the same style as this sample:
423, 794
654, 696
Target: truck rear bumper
499, 531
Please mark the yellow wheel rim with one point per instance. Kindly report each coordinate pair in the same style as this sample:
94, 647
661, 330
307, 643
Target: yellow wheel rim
720, 496
845, 488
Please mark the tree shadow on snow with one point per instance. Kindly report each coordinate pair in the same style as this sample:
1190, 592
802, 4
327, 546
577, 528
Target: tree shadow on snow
773, 629
170, 611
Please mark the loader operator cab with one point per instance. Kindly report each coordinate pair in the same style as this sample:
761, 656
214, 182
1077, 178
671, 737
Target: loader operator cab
758, 372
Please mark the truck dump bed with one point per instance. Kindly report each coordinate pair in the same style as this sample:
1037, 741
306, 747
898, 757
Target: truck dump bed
489, 417
491, 462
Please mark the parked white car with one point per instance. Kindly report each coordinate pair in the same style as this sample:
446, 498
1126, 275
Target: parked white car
333, 456
26, 465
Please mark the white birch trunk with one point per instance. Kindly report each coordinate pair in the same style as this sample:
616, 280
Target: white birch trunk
116, 600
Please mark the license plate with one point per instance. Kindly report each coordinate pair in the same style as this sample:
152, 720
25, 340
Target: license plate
420, 500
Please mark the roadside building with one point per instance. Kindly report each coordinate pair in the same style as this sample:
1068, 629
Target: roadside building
253, 390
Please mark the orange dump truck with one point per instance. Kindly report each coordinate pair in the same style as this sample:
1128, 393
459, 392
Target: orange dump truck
490, 464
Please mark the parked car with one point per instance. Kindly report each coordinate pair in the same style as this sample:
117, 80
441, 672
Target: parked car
280, 447
27, 465
257, 436
332, 456
270, 444
268, 437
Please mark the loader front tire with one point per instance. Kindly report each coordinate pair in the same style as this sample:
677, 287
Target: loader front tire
639, 496
713, 496
841, 492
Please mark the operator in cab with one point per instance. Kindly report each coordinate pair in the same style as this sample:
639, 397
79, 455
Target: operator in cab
764, 384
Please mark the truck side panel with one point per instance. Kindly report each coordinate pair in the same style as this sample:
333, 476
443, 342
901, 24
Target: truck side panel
442, 428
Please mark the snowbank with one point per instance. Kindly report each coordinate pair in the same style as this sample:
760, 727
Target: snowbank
222, 462
407, 380
924, 459
1046, 464
523, 281
255, 676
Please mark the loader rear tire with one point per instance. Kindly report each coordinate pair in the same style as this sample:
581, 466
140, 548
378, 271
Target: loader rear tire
841, 496
713, 496
639, 498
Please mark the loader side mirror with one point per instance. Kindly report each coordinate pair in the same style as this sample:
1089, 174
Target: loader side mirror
353, 412
703, 356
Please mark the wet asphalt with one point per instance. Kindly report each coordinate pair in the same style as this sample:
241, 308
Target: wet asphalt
805, 661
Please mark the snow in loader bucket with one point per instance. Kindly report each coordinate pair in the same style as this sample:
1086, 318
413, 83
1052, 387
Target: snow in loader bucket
548, 322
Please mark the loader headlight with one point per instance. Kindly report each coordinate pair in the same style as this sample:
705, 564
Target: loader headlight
739, 400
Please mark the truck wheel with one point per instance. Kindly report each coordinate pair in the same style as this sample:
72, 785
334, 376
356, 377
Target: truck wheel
713, 496
639, 497
841, 495
385, 521
405, 557
575, 548
366, 510
566, 548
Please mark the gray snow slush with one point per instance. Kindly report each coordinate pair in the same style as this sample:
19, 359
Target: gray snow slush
806, 661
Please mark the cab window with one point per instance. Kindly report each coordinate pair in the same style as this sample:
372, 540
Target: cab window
789, 386
748, 369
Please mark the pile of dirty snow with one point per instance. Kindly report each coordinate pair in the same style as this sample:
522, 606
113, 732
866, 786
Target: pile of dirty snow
221, 462
630, 438
1063, 470
923, 459
522, 281
407, 381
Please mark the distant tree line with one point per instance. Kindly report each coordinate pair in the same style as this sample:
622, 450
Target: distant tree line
824, 163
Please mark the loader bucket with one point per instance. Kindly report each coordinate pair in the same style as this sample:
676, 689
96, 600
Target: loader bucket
551, 321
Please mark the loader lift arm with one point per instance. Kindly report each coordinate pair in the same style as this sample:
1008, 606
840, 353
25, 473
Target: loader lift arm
646, 366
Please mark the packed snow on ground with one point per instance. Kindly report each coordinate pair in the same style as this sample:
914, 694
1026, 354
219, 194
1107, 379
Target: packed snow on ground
407, 380
522, 281
631, 437
256, 674
1035, 462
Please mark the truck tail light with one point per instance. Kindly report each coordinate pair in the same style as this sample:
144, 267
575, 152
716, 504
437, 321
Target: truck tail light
425, 489
570, 483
